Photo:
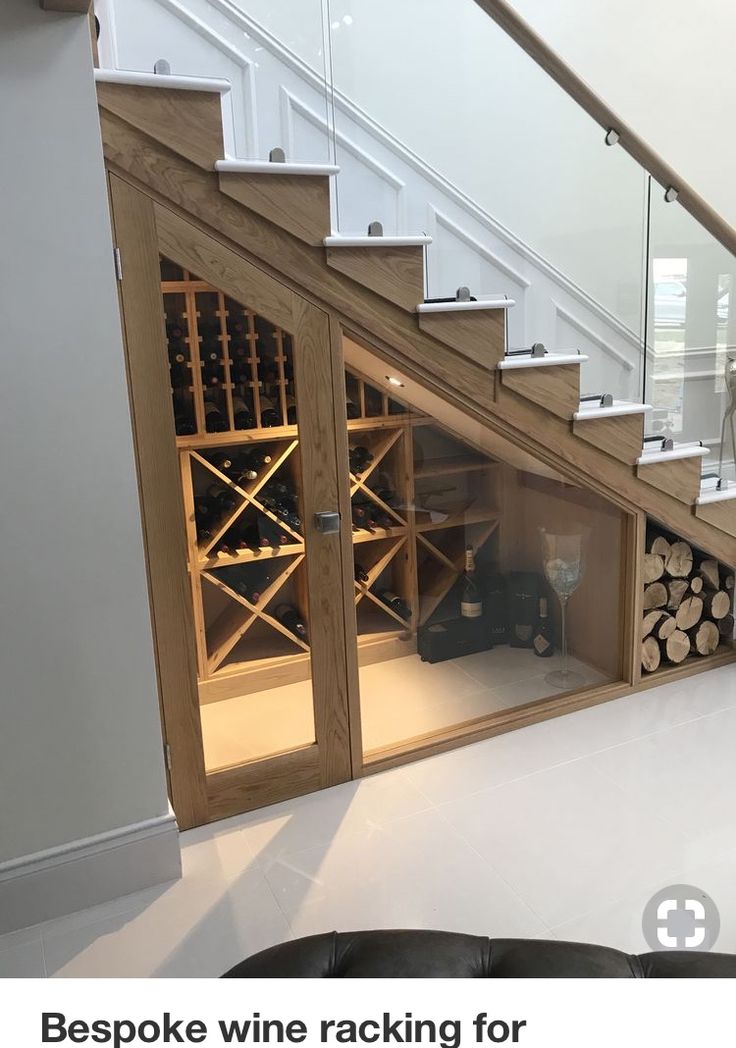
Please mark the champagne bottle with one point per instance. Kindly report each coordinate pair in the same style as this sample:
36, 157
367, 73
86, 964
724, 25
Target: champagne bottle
290, 618
393, 601
471, 603
542, 643
361, 575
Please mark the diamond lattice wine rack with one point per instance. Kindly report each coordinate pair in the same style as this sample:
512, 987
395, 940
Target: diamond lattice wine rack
419, 497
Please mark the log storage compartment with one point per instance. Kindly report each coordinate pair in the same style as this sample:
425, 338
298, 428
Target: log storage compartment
687, 603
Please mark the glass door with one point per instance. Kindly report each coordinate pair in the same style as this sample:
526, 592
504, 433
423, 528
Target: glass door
487, 585
247, 397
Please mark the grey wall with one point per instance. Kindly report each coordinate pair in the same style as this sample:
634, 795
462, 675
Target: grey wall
80, 739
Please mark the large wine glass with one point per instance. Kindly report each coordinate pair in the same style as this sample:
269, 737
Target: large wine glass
564, 563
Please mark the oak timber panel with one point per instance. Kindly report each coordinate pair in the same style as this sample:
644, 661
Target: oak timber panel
621, 436
595, 610
260, 783
169, 175
223, 268
479, 334
189, 122
161, 497
394, 273
324, 563
721, 515
678, 477
300, 204
556, 387
392, 333
355, 726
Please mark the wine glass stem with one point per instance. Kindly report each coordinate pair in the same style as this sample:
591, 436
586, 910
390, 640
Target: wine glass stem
563, 615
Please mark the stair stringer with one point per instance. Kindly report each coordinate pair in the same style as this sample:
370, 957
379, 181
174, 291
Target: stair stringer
229, 230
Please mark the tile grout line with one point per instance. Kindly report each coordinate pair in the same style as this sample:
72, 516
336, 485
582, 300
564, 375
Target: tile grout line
487, 862
571, 760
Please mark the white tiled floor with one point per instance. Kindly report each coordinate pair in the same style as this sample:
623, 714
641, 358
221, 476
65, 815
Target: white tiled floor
562, 829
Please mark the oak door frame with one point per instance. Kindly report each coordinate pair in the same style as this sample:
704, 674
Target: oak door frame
144, 229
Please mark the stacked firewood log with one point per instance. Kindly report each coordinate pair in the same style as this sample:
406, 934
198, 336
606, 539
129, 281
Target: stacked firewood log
688, 603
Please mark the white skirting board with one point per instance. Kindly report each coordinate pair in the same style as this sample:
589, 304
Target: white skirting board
87, 872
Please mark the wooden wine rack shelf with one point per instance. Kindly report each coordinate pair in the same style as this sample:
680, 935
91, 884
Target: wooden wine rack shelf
251, 367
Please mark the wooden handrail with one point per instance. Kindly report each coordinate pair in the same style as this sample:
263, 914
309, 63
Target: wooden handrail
522, 33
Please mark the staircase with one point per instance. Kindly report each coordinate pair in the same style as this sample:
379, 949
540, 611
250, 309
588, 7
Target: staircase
165, 134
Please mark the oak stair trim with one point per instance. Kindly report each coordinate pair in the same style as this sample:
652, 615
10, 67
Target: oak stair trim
164, 162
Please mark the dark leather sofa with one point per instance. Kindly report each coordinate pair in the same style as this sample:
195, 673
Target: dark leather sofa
434, 955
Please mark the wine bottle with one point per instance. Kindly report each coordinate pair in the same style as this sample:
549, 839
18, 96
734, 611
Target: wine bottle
291, 410
178, 371
221, 498
221, 460
184, 425
215, 421
290, 618
359, 458
211, 369
542, 643
373, 402
351, 409
175, 332
358, 515
242, 415
254, 538
272, 533
471, 602
393, 601
270, 417
363, 516
361, 575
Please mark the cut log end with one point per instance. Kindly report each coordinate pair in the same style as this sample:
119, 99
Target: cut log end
651, 656
710, 573
717, 605
689, 613
704, 638
655, 596
653, 567
660, 546
696, 584
677, 647
679, 563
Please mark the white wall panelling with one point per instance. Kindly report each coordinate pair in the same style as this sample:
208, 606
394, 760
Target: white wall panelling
275, 56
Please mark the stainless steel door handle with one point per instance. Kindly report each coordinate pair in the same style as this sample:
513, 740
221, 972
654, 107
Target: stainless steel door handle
327, 523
